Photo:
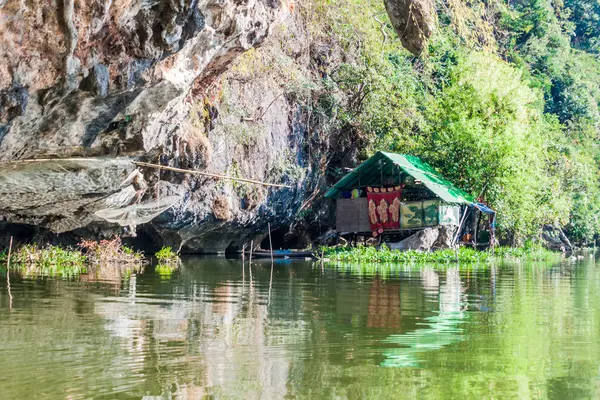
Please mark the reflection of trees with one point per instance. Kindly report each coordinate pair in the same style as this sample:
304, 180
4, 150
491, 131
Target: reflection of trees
532, 331
439, 330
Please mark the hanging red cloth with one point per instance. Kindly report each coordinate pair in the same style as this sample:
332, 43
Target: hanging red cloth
384, 208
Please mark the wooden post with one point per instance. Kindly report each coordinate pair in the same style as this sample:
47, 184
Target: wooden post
10, 299
270, 285
9, 253
492, 218
475, 228
322, 261
462, 220
251, 246
243, 253
270, 243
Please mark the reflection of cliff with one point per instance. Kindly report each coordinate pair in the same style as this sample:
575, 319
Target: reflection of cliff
209, 341
439, 330
384, 305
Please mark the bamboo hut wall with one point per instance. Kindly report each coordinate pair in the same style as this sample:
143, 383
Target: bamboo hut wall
352, 215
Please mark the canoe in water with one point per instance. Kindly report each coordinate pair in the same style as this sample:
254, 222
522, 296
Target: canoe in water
280, 254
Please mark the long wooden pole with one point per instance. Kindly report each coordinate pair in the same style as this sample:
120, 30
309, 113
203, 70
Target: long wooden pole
10, 299
462, 220
251, 246
9, 253
270, 242
193, 172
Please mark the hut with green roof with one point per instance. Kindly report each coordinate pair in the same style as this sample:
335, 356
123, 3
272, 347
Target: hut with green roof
397, 193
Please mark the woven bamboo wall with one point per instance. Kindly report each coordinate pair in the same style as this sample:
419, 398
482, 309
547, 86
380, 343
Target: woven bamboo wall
352, 215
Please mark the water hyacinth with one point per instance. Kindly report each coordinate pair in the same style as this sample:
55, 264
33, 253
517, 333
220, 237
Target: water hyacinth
461, 255
48, 256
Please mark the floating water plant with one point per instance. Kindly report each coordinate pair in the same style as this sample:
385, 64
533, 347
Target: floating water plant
166, 256
48, 256
462, 255
34, 260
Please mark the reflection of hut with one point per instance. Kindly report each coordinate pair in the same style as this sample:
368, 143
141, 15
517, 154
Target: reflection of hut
384, 305
397, 194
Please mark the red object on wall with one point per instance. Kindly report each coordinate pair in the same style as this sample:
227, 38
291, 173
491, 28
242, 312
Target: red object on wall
384, 208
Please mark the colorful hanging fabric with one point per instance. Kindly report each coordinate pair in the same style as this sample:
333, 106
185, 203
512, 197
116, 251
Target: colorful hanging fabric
384, 208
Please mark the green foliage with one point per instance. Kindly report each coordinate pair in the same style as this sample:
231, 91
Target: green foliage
462, 255
486, 133
49, 260
585, 15
166, 256
508, 110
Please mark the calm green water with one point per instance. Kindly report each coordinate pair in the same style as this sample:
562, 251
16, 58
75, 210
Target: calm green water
211, 329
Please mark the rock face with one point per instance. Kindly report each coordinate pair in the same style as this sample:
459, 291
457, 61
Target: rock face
70, 71
414, 21
555, 239
427, 239
87, 87
99, 83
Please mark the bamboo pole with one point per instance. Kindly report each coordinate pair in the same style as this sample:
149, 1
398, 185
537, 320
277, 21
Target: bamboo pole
251, 246
462, 220
270, 285
250, 271
10, 299
270, 243
193, 172
9, 253
243, 253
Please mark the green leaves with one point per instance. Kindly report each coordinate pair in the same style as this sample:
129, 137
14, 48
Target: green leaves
517, 124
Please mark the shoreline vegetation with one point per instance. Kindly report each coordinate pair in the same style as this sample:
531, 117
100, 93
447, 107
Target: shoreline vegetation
70, 261
529, 252
55, 260
88, 256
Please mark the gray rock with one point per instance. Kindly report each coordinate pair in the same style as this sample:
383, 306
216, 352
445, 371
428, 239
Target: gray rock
421, 241
414, 21
427, 239
97, 81
168, 99
555, 239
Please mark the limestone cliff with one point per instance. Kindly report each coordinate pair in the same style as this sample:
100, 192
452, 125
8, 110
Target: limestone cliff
87, 87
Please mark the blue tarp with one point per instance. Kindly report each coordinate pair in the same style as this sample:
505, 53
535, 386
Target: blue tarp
483, 208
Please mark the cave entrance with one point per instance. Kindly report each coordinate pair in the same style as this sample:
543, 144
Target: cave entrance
278, 237
232, 249
284, 240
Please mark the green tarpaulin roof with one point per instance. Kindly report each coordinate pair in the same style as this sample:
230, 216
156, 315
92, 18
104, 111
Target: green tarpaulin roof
388, 164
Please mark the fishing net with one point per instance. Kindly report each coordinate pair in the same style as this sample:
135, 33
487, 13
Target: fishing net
137, 214
125, 209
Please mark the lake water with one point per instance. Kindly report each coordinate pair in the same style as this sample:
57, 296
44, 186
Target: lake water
213, 329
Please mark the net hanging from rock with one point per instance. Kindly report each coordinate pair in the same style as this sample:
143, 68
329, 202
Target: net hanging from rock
127, 214
137, 214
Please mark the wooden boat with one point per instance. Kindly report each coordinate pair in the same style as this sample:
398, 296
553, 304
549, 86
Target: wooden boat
280, 254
